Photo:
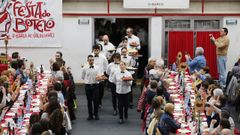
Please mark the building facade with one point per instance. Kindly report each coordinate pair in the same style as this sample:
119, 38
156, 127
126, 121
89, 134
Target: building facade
163, 25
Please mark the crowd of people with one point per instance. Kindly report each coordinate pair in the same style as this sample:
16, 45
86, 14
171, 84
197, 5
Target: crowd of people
56, 107
157, 106
114, 67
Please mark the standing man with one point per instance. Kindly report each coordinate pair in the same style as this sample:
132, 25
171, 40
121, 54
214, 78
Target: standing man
111, 69
222, 44
133, 41
102, 63
91, 75
21, 72
130, 62
107, 47
123, 80
59, 58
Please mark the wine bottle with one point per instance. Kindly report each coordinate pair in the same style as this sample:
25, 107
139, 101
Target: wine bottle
41, 69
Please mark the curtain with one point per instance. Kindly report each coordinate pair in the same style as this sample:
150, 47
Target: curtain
203, 40
180, 41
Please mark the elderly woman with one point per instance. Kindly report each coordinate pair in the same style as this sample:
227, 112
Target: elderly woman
151, 64
198, 62
157, 72
167, 124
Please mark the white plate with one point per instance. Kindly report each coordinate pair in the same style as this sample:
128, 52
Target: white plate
184, 131
10, 114
178, 109
4, 125
9, 120
172, 87
177, 114
172, 83
35, 109
26, 120
177, 99
23, 91
175, 95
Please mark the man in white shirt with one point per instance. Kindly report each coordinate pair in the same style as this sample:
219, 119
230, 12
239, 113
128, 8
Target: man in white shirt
101, 61
133, 41
124, 43
112, 68
130, 62
91, 76
123, 80
107, 47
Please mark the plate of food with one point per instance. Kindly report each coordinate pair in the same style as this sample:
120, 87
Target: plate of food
174, 95
131, 68
111, 50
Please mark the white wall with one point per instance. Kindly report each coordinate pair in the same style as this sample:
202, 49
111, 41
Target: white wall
85, 7
155, 36
222, 7
234, 35
117, 7
76, 45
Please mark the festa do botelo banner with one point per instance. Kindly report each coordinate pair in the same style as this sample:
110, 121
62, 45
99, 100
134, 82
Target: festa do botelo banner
31, 23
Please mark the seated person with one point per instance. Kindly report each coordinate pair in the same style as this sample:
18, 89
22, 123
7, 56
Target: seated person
203, 73
236, 69
3, 95
198, 62
152, 91
157, 72
167, 124
162, 91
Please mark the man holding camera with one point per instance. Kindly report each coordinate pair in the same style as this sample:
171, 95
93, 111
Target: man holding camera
222, 44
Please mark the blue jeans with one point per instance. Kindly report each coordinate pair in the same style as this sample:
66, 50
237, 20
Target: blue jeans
221, 63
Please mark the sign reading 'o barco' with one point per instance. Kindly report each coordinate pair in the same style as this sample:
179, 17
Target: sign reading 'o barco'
151, 4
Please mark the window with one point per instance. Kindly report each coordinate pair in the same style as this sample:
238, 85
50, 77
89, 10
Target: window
177, 24
206, 24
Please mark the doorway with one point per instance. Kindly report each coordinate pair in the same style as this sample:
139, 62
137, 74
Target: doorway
115, 28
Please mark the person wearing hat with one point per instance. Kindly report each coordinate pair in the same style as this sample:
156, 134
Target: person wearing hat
198, 62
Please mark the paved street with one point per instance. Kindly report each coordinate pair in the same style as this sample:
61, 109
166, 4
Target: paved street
108, 124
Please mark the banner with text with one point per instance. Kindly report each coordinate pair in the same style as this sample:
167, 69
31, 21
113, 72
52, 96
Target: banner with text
34, 23
161, 4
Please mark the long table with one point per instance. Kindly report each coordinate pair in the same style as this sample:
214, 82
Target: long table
183, 106
16, 119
